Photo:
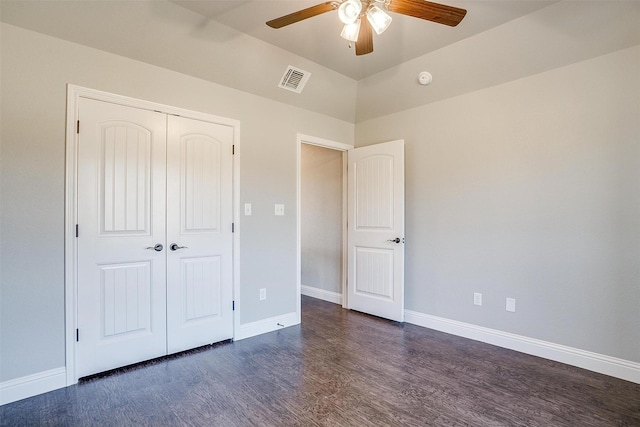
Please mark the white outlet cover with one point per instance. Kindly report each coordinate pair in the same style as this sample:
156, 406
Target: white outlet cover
279, 209
511, 305
477, 298
247, 209
263, 294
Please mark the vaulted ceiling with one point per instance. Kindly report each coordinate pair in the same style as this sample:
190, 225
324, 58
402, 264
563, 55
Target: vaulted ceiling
227, 42
318, 38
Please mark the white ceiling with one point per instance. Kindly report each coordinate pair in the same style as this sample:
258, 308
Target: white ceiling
227, 42
318, 38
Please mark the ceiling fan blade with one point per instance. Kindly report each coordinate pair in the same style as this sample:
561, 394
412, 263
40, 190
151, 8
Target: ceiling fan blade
300, 15
364, 44
440, 13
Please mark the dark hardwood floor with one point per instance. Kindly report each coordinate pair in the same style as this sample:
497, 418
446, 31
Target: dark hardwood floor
340, 368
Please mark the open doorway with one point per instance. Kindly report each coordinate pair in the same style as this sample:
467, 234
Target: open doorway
321, 222
322, 218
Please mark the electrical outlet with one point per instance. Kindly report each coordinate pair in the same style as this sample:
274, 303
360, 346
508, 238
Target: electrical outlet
247, 209
477, 298
511, 304
263, 294
279, 209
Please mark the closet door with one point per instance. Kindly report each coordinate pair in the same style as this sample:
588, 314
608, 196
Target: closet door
121, 236
199, 234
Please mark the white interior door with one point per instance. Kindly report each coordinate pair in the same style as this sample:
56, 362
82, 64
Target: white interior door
199, 235
155, 239
121, 211
376, 230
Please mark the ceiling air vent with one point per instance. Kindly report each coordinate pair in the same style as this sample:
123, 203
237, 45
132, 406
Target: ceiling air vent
294, 79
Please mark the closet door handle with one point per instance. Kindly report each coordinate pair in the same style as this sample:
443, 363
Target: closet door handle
175, 247
158, 247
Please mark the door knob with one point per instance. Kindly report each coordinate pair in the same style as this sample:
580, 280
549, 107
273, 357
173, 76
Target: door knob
158, 247
396, 240
175, 247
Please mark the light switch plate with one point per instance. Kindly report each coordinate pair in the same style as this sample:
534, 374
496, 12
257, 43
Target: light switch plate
247, 209
511, 304
279, 209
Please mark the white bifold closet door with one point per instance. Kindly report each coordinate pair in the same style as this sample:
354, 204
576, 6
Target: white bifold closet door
199, 235
154, 235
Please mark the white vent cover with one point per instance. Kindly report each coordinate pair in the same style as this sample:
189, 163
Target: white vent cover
294, 79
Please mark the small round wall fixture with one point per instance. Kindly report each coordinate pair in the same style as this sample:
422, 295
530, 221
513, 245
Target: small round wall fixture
425, 78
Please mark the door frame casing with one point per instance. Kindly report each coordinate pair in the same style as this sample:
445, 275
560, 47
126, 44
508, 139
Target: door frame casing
332, 145
74, 93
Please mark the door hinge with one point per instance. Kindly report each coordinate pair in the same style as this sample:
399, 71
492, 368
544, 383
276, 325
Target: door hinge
77, 335
77, 232
233, 306
233, 149
233, 227
78, 126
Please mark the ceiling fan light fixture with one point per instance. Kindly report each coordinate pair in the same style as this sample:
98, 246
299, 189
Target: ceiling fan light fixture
378, 19
351, 31
349, 11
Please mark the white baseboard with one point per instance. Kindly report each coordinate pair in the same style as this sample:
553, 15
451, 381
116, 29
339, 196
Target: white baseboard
252, 329
42, 382
32, 385
310, 291
600, 363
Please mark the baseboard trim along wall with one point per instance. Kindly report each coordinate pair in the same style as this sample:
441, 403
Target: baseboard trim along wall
42, 382
271, 324
31, 385
595, 362
318, 293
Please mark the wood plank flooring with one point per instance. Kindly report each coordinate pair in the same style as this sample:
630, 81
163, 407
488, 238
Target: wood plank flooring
340, 368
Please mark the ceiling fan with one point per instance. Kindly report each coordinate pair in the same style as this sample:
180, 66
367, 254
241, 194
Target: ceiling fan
359, 30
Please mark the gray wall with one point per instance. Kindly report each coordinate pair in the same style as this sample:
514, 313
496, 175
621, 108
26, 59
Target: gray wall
530, 190
35, 70
321, 218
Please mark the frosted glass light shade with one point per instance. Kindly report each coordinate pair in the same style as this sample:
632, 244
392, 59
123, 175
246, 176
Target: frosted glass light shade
349, 11
351, 31
378, 19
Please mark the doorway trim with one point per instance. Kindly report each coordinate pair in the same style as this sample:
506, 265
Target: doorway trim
333, 145
74, 93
